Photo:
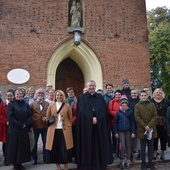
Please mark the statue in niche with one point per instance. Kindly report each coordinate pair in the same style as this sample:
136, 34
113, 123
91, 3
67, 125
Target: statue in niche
75, 12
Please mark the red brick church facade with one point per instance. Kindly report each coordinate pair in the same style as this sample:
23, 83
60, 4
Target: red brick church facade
37, 36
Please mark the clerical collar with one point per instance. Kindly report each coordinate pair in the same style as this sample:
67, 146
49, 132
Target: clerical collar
91, 94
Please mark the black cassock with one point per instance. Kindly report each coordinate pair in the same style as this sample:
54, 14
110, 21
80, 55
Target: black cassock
93, 141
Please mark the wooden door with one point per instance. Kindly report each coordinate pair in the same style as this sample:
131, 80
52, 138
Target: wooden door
68, 74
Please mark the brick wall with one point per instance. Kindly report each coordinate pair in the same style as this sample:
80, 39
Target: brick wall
116, 30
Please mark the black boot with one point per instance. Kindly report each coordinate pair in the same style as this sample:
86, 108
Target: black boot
16, 167
143, 166
151, 166
21, 167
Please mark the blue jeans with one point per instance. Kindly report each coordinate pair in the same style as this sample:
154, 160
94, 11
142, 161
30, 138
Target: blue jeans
37, 132
149, 144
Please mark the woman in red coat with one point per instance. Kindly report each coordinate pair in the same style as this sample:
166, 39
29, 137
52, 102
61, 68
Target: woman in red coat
3, 119
113, 107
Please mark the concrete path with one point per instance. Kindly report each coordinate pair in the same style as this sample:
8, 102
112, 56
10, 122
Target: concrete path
159, 164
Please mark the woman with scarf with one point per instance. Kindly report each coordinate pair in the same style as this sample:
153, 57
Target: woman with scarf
72, 101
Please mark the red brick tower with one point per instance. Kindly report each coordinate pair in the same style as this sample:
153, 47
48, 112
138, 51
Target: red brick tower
37, 36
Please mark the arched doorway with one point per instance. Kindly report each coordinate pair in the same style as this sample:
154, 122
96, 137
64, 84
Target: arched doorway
68, 74
83, 56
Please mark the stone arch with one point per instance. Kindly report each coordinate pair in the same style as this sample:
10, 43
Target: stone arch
82, 55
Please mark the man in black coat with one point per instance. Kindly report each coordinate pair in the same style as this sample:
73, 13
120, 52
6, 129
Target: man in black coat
126, 88
94, 149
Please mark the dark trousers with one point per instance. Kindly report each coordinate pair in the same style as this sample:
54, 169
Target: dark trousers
162, 135
4, 148
114, 141
37, 132
149, 144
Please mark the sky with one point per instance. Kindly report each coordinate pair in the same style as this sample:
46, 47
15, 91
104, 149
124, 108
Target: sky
152, 4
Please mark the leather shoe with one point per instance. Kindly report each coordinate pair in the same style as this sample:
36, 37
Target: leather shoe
151, 166
5, 164
21, 167
44, 160
155, 157
143, 166
34, 162
139, 156
162, 158
18, 167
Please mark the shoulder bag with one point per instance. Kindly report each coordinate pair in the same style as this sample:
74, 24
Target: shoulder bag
51, 119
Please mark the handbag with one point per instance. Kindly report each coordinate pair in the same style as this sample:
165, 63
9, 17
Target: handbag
51, 119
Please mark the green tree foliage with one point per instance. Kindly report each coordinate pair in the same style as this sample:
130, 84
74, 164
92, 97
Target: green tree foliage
159, 44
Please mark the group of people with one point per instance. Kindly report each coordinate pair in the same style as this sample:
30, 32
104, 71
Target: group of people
138, 120
88, 129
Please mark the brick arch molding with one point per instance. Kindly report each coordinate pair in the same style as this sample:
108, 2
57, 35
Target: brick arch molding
82, 55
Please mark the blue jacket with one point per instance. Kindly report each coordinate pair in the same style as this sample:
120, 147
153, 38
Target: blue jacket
124, 121
127, 92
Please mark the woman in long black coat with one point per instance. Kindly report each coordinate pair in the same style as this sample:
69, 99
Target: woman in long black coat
18, 146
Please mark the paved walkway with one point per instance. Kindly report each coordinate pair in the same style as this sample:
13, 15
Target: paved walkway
159, 164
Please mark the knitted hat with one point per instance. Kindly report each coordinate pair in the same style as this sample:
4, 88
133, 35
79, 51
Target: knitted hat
125, 81
124, 99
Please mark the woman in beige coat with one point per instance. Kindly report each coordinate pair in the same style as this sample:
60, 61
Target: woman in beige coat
59, 140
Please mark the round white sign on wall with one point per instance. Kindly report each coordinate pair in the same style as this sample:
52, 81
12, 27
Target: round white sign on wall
18, 76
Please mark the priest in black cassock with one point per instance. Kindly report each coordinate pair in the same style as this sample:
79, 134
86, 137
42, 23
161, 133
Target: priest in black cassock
94, 150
